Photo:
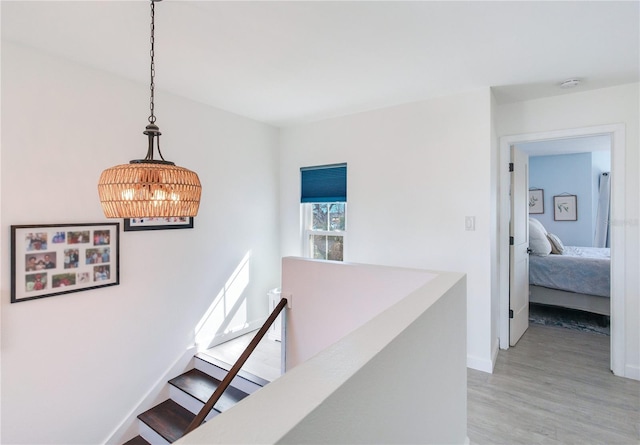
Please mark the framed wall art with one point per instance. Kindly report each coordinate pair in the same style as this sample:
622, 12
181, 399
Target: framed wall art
536, 201
133, 224
565, 208
49, 260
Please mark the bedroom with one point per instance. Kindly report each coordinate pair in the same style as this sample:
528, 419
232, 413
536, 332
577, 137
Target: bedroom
569, 200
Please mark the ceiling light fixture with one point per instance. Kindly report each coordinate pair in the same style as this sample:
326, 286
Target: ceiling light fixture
149, 188
570, 83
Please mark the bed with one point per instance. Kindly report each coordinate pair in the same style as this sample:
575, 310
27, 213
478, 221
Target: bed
568, 276
579, 278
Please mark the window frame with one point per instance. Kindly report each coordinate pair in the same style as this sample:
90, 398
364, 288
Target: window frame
308, 231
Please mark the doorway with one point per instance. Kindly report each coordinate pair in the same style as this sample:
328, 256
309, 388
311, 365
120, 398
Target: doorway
617, 134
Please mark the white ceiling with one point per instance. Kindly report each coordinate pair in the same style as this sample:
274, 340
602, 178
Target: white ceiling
290, 62
582, 144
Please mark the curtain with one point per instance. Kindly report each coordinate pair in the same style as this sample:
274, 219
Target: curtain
601, 238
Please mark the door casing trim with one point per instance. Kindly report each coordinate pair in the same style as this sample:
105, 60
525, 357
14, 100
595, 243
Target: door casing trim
618, 146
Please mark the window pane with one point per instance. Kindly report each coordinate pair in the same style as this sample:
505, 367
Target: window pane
336, 216
326, 247
320, 216
334, 248
318, 247
328, 216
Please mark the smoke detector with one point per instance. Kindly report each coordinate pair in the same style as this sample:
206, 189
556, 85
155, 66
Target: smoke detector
570, 83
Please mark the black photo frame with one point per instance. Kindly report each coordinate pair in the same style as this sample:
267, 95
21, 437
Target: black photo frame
55, 259
174, 222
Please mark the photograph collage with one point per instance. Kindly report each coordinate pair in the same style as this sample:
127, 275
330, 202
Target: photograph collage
50, 260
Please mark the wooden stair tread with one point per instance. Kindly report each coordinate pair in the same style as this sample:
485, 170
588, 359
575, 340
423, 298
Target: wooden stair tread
201, 386
226, 366
168, 419
138, 440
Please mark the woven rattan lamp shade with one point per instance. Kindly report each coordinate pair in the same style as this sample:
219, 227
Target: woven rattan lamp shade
149, 190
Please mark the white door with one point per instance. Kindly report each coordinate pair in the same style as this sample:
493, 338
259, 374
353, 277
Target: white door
519, 248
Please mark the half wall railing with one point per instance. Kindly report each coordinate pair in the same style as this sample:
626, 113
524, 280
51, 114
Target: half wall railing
351, 330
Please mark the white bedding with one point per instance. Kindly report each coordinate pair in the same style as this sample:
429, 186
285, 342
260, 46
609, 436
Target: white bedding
584, 270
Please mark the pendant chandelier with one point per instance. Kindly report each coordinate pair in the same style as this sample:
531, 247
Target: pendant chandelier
149, 188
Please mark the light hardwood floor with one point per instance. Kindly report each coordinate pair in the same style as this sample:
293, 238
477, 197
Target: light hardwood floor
264, 362
554, 387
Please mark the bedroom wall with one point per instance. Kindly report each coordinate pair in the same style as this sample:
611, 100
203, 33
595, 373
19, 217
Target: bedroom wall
601, 161
74, 365
569, 173
414, 172
591, 108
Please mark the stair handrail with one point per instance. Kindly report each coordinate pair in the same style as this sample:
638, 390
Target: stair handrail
233, 372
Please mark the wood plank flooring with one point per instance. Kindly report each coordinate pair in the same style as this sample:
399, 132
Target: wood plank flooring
265, 361
553, 387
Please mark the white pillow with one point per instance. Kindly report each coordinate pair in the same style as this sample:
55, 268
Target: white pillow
537, 223
557, 247
538, 241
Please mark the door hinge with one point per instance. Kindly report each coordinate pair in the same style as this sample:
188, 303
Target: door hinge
511, 241
510, 166
510, 313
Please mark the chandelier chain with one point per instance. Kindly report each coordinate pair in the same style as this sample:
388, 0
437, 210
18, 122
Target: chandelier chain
152, 117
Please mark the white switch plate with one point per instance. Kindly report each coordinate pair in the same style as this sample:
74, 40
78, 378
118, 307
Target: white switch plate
469, 223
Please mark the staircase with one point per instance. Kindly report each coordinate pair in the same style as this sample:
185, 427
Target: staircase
166, 422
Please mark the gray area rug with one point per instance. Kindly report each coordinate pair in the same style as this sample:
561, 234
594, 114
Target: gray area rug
568, 319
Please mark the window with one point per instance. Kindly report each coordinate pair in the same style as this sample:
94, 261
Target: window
323, 199
325, 232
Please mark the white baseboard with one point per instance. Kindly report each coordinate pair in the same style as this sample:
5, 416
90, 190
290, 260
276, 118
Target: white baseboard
480, 364
483, 364
157, 393
632, 372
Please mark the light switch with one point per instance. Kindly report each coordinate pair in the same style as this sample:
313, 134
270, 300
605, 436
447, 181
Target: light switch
469, 223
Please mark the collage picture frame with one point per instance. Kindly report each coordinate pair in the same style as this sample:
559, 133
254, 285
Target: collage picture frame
56, 259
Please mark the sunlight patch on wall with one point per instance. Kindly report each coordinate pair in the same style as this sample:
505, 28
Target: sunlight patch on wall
228, 311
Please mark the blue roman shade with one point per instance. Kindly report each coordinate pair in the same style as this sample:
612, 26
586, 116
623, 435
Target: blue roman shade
324, 183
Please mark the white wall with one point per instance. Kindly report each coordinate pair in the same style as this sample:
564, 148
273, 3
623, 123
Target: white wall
330, 299
494, 236
592, 108
74, 365
414, 172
